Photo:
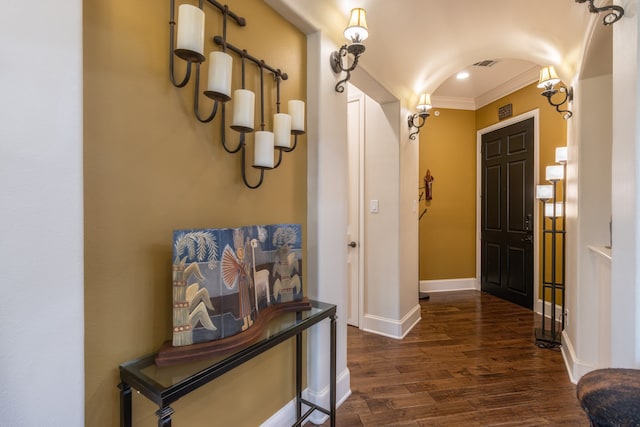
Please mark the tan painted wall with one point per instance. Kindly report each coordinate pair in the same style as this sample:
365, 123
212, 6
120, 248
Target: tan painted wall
151, 167
447, 230
448, 148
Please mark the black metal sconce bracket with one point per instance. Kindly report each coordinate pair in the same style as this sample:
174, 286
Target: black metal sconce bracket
416, 120
355, 49
614, 12
568, 96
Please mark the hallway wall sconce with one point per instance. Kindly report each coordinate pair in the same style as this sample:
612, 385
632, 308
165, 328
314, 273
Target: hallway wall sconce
548, 80
553, 240
418, 119
189, 46
614, 12
356, 32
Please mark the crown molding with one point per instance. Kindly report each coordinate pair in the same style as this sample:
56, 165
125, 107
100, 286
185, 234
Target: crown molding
454, 103
506, 88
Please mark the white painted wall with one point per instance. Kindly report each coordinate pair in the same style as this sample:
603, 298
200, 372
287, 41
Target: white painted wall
41, 248
588, 214
382, 174
409, 226
390, 165
625, 286
327, 215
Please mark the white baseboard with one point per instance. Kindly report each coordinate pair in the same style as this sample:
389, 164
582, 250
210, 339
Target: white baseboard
547, 309
390, 327
286, 416
447, 285
575, 367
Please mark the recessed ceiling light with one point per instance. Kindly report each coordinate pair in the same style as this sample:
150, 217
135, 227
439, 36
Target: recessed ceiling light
462, 75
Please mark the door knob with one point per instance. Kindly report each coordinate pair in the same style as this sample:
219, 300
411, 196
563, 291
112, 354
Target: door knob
352, 244
527, 238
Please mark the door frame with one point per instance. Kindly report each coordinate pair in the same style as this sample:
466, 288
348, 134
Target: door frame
354, 94
535, 114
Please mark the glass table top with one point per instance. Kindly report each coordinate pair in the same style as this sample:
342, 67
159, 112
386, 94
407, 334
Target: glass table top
144, 374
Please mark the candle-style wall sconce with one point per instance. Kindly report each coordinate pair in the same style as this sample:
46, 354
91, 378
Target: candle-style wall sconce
189, 46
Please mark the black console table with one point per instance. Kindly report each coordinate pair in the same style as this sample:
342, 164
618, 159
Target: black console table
166, 384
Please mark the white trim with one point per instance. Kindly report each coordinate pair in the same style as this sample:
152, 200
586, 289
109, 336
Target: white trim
362, 235
448, 285
536, 160
391, 328
455, 103
286, 416
547, 309
356, 95
576, 368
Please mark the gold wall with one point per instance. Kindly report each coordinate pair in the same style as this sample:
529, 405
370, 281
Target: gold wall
448, 147
447, 230
150, 167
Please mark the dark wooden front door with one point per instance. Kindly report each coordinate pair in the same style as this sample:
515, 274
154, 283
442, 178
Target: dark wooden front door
507, 213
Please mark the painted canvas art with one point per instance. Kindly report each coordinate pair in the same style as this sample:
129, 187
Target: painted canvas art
224, 277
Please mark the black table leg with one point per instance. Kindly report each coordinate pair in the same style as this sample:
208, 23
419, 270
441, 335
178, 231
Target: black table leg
125, 404
332, 373
164, 416
298, 376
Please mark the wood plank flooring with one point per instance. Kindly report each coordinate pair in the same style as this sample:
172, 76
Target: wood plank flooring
471, 361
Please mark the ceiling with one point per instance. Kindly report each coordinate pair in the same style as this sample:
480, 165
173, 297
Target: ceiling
417, 46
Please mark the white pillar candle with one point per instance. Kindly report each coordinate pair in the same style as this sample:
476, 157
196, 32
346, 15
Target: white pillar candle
243, 110
296, 110
220, 65
282, 130
190, 28
263, 154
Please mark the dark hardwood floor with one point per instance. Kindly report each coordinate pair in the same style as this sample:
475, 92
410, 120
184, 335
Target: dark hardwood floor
471, 361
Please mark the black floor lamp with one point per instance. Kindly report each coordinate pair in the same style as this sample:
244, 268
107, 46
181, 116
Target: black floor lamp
553, 246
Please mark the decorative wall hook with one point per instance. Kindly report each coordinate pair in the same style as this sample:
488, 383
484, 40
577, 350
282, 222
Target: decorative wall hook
419, 119
548, 79
614, 12
189, 46
356, 32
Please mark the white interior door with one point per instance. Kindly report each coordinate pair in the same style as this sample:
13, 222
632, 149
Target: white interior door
355, 121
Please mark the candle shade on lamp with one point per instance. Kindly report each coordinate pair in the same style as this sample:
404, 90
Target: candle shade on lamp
296, 110
282, 130
544, 192
554, 173
190, 44
549, 212
356, 30
219, 86
561, 155
263, 154
548, 77
243, 110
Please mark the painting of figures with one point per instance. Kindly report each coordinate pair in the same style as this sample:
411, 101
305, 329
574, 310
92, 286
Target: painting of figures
223, 278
